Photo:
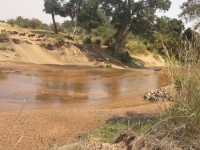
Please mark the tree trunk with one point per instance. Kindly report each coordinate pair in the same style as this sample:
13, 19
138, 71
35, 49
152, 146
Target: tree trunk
72, 25
120, 39
54, 23
75, 27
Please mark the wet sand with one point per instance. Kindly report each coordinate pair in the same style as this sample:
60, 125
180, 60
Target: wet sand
61, 103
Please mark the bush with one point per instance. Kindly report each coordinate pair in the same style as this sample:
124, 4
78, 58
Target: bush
126, 58
4, 37
88, 40
60, 41
109, 42
60, 28
50, 46
98, 42
35, 23
136, 47
11, 22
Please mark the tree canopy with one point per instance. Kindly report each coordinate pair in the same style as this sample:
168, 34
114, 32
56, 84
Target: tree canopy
191, 11
52, 7
126, 14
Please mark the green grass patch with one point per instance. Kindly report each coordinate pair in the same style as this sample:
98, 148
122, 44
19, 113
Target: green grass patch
109, 132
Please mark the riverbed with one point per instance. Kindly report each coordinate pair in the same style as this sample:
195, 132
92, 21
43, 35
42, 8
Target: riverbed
47, 104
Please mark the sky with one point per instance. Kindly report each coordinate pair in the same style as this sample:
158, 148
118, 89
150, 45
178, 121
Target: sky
34, 9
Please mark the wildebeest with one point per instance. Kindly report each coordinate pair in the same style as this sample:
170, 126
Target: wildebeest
69, 37
31, 35
41, 35
3, 30
16, 41
22, 34
157, 69
13, 32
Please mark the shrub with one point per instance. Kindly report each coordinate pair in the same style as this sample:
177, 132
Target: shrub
136, 47
98, 42
49, 46
11, 22
126, 58
35, 23
60, 42
109, 42
60, 28
88, 40
4, 37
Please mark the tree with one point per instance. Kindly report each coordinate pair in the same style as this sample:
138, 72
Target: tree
52, 7
91, 16
45, 26
70, 9
23, 22
11, 22
188, 34
168, 34
191, 11
35, 23
20, 21
125, 14
60, 28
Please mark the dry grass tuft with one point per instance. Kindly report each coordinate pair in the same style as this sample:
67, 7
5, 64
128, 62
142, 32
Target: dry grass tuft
179, 126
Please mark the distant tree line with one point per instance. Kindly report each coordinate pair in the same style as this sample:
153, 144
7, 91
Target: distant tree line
28, 23
117, 21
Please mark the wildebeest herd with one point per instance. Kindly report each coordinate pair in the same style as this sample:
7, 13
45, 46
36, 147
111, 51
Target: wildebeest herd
31, 35
23, 34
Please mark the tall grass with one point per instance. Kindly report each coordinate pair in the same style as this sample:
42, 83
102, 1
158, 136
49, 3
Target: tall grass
136, 46
179, 125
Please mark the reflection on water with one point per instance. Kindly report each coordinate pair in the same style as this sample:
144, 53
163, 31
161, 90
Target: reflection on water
87, 87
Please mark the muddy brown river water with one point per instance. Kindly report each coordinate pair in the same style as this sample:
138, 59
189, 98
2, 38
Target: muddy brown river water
44, 105
46, 89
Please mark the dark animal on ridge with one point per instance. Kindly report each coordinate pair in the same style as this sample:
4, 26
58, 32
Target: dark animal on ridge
69, 38
22, 34
41, 35
157, 69
31, 35
16, 41
3, 30
13, 32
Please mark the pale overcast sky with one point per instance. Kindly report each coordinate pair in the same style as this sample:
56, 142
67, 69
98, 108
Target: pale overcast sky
34, 9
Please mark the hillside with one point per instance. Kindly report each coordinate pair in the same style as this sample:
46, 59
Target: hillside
48, 50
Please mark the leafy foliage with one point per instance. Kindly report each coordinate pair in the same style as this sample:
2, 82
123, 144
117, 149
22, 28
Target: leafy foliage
191, 11
11, 22
128, 15
4, 37
27, 23
52, 7
90, 17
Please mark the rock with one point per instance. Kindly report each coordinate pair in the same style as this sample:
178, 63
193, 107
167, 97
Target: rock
162, 94
105, 66
109, 66
125, 137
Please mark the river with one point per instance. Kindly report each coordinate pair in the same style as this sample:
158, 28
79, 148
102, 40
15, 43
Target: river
62, 88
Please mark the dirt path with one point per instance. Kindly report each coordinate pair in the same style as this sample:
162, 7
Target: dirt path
35, 54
